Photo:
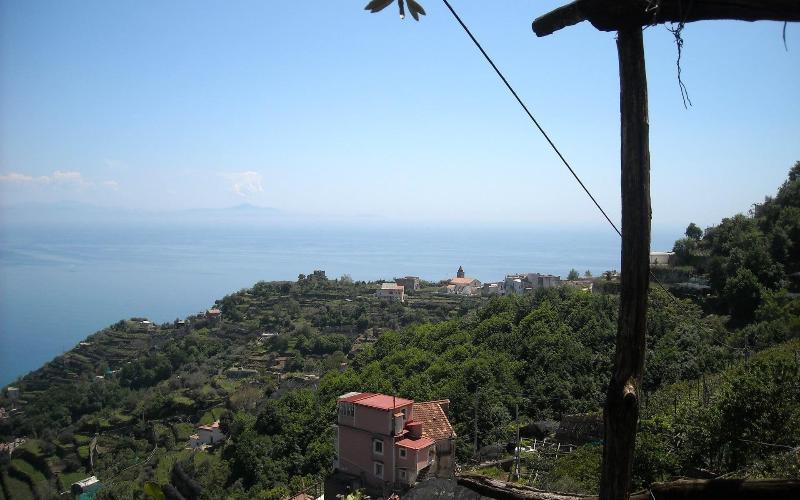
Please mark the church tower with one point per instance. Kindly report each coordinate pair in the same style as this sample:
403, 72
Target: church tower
460, 273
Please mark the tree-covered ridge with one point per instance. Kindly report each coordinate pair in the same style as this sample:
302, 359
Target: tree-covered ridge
748, 256
721, 376
140, 385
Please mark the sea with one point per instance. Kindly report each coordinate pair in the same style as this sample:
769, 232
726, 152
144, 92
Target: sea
60, 283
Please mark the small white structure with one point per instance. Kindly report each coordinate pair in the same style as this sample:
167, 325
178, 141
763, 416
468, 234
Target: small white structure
391, 292
206, 435
87, 485
662, 258
12, 393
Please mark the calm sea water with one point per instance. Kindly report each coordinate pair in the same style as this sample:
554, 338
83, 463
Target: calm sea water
59, 284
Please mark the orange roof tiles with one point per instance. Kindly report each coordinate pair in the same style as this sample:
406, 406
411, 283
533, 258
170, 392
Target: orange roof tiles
462, 281
435, 424
379, 401
415, 444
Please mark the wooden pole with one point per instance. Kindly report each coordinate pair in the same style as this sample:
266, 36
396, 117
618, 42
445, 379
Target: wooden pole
622, 399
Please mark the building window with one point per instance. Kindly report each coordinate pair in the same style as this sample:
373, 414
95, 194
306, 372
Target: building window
431, 455
403, 453
347, 409
403, 474
378, 469
377, 446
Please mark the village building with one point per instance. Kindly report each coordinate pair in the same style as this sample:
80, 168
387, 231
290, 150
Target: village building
463, 285
538, 281
213, 313
410, 284
491, 289
515, 284
386, 443
662, 258
391, 292
206, 435
519, 284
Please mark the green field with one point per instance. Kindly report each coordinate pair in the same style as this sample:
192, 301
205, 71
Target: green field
17, 490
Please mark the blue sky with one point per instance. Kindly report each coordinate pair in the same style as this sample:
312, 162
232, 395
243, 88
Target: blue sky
328, 110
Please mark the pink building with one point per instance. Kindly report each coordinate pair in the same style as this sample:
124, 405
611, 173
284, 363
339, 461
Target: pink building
387, 443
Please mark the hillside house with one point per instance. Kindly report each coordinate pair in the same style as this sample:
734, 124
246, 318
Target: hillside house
206, 435
386, 443
409, 283
391, 292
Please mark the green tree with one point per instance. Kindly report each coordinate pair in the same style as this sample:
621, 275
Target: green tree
573, 274
694, 232
743, 294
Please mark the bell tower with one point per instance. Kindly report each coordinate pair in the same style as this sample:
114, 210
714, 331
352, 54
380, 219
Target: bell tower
460, 273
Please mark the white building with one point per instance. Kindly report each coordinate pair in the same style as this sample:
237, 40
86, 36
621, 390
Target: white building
518, 284
206, 435
87, 485
662, 258
391, 292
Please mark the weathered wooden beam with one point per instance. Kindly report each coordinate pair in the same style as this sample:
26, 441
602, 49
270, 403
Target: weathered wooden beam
684, 489
566, 15
621, 412
613, 15
724, 489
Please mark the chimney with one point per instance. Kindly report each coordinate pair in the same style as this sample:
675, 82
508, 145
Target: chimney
415, 430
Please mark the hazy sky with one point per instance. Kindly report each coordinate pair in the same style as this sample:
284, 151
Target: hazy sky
326, 109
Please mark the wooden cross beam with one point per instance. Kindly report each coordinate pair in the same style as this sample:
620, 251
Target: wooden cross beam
627, 17
611, 15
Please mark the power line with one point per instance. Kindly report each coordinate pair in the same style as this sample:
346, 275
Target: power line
553, 146
530, 115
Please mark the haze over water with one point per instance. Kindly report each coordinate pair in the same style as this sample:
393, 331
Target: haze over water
60, 284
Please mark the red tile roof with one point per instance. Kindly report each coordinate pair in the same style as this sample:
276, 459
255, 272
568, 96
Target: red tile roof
415, 444
462, 281
379, 401
435, 424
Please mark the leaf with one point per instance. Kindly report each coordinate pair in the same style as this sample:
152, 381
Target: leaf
415, 9
378, 5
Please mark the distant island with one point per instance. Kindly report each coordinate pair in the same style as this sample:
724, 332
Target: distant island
241, 400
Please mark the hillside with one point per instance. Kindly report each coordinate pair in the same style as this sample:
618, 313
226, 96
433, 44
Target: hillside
721, 392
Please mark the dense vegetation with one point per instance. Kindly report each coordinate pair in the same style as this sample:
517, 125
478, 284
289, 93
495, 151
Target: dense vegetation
721, 382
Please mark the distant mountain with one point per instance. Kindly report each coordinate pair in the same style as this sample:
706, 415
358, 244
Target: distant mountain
76, 213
